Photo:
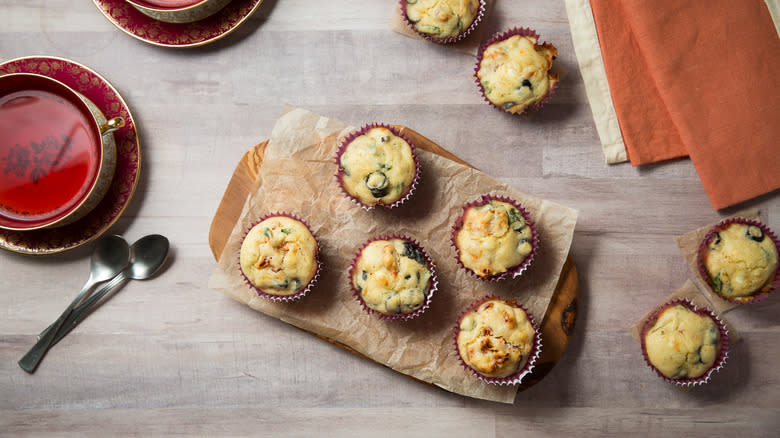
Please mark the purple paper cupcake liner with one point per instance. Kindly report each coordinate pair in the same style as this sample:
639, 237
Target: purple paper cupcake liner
429, 263
703, 247
723, 354
536, 349
477, 19
340, 172
283, 298
515, 271
522, 31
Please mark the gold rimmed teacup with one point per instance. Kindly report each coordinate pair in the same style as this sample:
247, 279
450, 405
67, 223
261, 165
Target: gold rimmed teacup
179, 11
57, 153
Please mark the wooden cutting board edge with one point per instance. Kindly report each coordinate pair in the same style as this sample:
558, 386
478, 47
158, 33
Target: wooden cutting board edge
557, 324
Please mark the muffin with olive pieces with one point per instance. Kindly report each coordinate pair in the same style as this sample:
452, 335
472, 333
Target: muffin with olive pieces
494, 238
377, 166
683, 344
498, 341
279, 258
443, 21
513, 71
394, 277
738, 259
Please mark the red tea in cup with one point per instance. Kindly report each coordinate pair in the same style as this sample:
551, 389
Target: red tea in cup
178, 11
168, 4
49, 151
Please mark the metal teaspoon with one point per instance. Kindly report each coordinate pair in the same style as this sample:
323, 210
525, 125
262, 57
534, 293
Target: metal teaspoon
148, 254
110, 255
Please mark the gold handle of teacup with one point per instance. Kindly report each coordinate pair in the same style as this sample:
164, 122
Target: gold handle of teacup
112, 125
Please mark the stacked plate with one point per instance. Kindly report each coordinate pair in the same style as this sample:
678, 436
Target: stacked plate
177, 23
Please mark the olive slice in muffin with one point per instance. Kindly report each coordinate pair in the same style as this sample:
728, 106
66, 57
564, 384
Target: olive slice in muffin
494, 238
394, 277
377, 166
513, 71
739, 260
443, 21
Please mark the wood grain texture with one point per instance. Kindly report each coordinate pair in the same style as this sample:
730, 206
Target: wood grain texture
239, 187
168, 356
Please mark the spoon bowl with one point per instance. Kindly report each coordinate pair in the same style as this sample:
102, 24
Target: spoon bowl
110, 255
148, 255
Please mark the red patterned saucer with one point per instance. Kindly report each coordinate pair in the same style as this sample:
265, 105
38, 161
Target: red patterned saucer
128, 160
134, 23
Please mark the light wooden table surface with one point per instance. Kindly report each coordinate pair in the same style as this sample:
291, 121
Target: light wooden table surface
170, 356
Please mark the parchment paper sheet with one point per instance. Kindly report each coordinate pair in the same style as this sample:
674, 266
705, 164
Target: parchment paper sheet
690, 291
469, 45
297, 177
689, 247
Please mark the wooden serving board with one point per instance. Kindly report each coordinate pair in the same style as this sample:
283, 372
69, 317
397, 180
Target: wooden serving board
557, 325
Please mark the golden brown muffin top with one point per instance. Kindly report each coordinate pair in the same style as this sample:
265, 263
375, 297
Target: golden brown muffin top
377, 167
279, 256
682, 343
392, 276
514, 72
494, 238
441, 18
740, 260
496, 339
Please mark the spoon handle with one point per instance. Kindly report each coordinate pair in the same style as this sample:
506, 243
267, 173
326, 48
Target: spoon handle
29, 362
80, 312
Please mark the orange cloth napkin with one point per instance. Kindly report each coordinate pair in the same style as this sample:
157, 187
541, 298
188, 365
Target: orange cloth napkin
697, 78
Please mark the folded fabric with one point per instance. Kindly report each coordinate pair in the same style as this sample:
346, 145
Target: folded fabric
700, 78
648, 131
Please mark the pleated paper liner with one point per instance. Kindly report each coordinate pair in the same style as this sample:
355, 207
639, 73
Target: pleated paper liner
480, 13
429, 264
514, 271
689, 244
501, 36
340, 171
302, 291
516, 377
755, 296
723, 343
698, 298
468, 45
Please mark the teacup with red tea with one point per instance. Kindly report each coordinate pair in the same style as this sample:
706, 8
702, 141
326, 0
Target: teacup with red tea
179, 11
57, 153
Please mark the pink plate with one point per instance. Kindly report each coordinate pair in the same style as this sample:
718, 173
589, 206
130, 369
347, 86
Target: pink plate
128, 160
131, 21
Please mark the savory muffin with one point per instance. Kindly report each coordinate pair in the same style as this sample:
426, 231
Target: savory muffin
513, 71
377, 166
494, 237
496, 339
392, 276
681, 343
441, 19
279, 256
740, 260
